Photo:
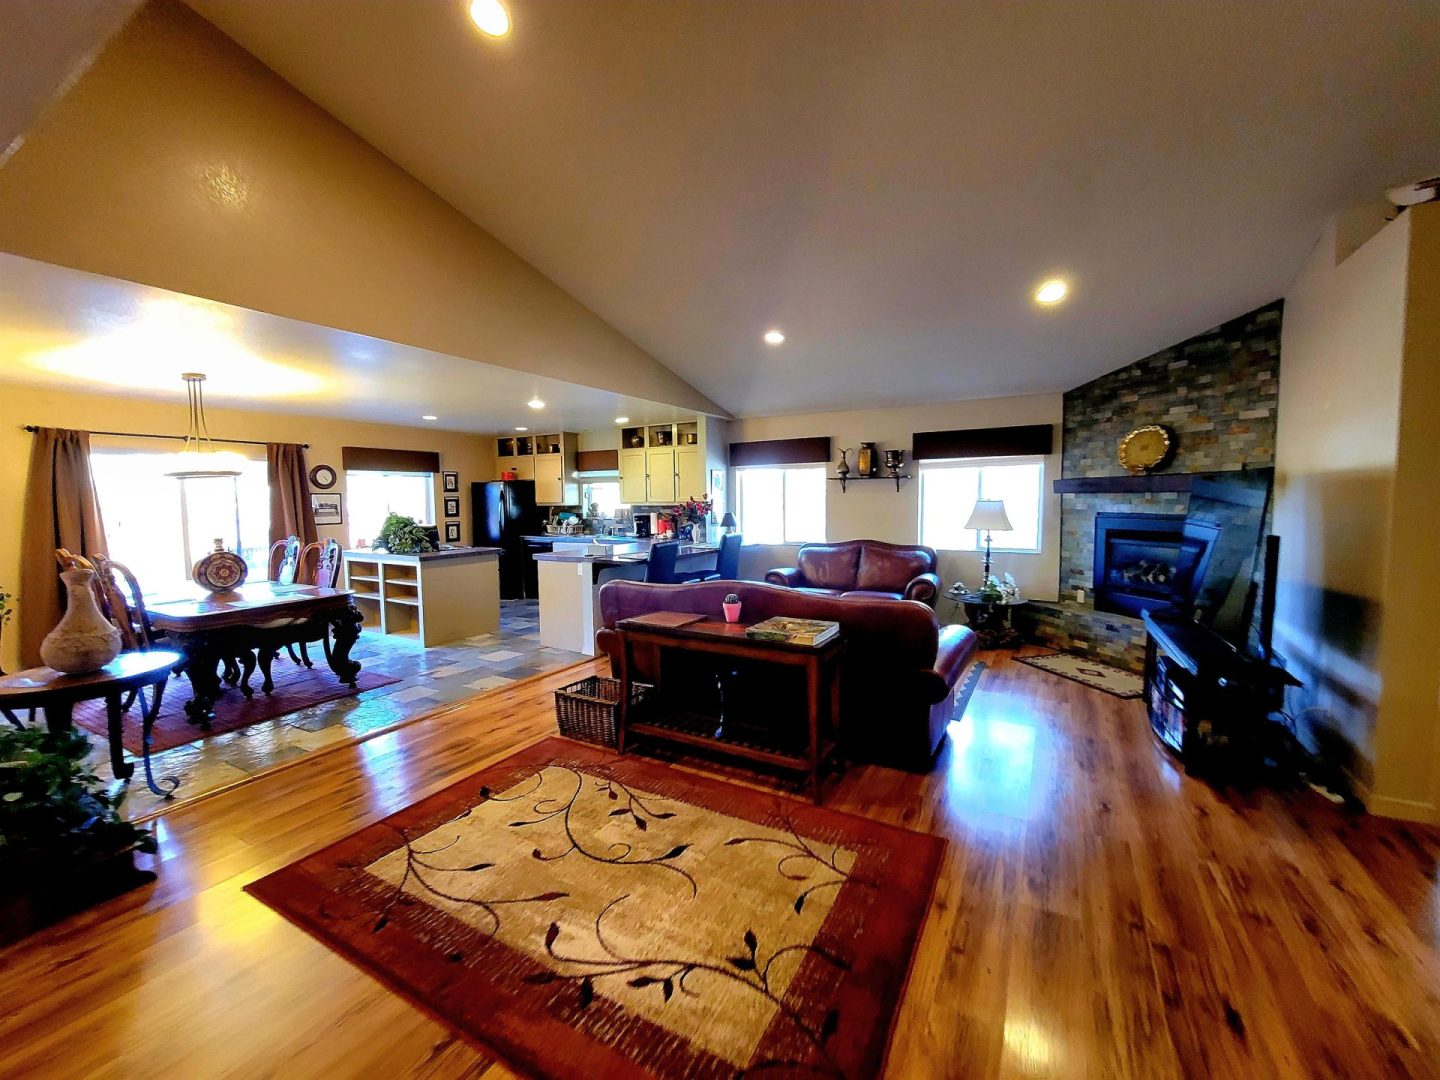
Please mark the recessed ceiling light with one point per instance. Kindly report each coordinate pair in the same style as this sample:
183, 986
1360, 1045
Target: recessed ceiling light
622, 419
774, 337
490, 16
535, 403
1051, 292
427, 416
522, 429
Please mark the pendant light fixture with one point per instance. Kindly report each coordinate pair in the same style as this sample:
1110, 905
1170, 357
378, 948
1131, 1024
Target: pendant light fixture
199, 457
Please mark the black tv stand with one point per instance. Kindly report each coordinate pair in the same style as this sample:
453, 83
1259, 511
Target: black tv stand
1208, 702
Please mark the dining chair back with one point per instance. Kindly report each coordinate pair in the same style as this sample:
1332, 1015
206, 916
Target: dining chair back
727, 563
309, 561
285, 560
123, 603
327, 565
660, 570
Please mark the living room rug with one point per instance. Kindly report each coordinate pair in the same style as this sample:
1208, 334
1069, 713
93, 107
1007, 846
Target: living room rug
296, 687
1093, 673
578, 913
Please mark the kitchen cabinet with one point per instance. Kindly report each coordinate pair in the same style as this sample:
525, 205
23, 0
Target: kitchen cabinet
633, 488
689, 473
547, 459
660, 474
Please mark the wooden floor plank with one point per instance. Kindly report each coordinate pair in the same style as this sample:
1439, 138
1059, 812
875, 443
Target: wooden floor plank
1098, 914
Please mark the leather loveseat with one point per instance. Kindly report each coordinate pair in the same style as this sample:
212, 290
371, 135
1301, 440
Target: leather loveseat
864, 567
900, 666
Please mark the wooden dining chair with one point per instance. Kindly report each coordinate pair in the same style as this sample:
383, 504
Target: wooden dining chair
309, 559
285, 560
122, 602
324, 571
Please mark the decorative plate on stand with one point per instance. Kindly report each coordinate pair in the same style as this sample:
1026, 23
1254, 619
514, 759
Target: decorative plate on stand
221, 570
1145, 449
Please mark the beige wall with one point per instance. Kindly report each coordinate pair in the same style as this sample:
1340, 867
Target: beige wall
1356, 511
178, 160
470, 455
877, 511
1407, 740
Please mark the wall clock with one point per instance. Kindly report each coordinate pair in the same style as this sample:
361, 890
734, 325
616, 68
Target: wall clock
322, 476
1145, 449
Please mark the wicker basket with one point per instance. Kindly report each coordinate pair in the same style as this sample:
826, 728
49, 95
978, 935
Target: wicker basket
588, 710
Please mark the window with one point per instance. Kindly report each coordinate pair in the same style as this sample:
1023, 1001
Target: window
604, 495
159, 526
374, 496
948, 490
781, 504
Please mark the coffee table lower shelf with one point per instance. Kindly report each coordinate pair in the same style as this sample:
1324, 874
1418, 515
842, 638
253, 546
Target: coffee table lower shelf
693, 729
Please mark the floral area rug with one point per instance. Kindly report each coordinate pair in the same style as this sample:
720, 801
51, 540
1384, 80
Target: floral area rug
577, 913
1082, 669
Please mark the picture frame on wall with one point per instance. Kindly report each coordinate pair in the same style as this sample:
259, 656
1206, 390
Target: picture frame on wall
452, 532
452, 506
326, 508
450, 481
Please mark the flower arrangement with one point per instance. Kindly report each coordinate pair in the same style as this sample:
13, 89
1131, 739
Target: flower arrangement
694, 510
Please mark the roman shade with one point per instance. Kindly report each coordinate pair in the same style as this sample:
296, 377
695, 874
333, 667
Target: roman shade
780, 452
1025, 440
379, 459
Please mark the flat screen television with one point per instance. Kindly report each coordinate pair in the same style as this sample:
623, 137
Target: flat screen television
1231, 511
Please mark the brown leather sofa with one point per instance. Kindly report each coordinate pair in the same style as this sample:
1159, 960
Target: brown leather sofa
899, 672
864, 567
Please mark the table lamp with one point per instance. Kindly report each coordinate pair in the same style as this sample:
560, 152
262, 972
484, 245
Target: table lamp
989, 515
728, 522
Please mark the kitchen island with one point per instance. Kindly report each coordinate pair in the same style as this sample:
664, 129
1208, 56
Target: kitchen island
437, 597
570, 582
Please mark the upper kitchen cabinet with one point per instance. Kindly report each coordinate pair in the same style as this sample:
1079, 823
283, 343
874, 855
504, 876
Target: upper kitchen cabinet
666, 463
548, 459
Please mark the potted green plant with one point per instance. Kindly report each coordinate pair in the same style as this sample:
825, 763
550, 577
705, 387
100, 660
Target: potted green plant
63, 844
402, 535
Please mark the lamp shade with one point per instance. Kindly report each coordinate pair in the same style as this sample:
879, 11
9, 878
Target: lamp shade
989, 514
728, 521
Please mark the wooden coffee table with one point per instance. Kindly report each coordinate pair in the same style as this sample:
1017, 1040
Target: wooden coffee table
58, 694
821, 666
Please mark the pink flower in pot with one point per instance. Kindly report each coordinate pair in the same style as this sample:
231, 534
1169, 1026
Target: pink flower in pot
732, 608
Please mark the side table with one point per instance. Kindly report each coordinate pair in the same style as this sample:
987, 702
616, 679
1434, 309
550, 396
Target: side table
129, 673
990, 619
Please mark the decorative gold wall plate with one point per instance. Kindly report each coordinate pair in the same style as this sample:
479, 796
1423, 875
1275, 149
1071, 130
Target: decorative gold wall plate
1144, 448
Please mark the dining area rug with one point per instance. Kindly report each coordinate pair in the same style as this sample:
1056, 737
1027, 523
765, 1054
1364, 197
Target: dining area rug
578, 913
296, 687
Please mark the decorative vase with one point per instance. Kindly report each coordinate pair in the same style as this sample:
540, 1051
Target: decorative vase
843, 469
867, 462
732, 612
83, 640
221, 570
699, 532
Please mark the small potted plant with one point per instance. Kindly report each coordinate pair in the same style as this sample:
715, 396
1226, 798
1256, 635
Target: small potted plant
732, 608
65, 845
401, 535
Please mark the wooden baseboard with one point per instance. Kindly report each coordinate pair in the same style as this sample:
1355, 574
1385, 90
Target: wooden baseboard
1422, 813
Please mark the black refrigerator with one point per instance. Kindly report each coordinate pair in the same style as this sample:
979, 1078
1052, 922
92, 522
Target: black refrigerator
503, 512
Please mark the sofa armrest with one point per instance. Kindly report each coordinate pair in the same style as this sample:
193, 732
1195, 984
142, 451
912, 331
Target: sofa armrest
956, 649
789, 576
923, 587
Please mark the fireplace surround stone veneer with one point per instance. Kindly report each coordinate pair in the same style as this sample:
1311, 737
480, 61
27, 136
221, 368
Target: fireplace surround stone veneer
1217, 393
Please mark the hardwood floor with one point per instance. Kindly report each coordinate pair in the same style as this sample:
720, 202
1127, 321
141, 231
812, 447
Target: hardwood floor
1100, 914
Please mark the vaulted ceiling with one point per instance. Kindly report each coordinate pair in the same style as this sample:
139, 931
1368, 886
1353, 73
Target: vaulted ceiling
885, 181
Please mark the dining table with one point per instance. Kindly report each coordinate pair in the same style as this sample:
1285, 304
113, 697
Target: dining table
253, 622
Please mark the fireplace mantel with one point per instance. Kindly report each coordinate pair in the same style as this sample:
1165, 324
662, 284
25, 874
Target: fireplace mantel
1127, 485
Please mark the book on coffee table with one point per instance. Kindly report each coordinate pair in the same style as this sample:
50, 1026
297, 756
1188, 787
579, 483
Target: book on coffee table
812, 632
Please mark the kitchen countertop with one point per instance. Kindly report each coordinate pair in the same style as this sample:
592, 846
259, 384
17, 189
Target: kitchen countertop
620, 560
445, 553
587, 539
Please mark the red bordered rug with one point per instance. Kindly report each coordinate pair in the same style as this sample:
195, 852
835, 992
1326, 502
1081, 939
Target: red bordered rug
576, 913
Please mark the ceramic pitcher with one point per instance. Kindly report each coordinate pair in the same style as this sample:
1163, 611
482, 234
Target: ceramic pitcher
83, 640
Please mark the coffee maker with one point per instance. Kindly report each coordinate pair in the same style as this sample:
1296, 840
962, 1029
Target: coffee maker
644, 526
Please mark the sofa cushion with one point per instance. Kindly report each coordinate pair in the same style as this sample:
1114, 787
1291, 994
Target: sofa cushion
890, 568
874, 594
829, 566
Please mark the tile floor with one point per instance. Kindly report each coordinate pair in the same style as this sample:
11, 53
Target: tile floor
428, 678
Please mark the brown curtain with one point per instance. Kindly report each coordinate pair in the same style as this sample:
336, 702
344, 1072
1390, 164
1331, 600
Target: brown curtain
60, 511
290, 511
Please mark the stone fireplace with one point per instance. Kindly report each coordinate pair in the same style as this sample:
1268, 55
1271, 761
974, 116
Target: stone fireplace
1137, 560
1216, 393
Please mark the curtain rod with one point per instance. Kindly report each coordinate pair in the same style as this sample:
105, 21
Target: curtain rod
181, 438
